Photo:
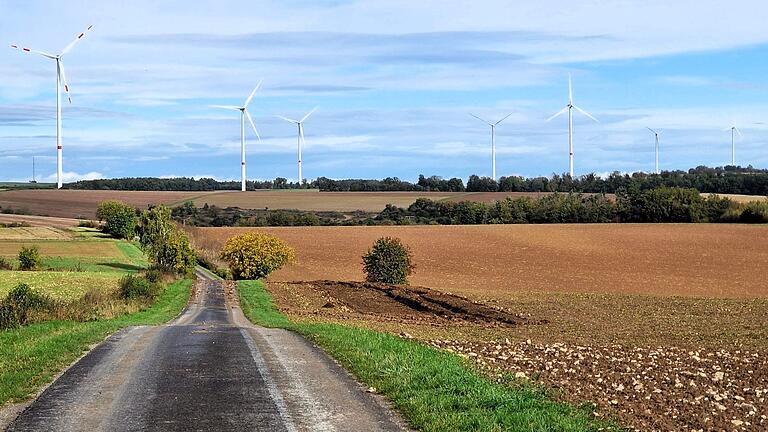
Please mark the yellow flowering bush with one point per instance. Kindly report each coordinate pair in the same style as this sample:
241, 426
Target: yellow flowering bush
255, 255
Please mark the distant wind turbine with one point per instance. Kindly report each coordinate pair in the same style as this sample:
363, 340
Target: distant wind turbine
60, 78
656, 135
569, 109
243, 114
493, 139
734, 130
300, 124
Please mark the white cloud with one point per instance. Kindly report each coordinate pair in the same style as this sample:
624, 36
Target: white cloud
69, 176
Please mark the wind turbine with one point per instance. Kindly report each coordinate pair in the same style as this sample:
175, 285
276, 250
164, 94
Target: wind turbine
656, 134
569, 109
300, 124
734, 130
243, 114
60, 77
493, 139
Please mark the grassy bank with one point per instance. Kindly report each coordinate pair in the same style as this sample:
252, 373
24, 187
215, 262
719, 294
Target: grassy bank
435, 390
31, 356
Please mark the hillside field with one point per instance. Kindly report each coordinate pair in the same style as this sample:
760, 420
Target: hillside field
710, 260
661, 326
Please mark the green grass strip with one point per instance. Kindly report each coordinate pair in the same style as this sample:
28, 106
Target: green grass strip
434, 390
31, 356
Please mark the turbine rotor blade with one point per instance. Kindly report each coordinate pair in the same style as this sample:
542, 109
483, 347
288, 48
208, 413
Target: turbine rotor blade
308, 114
652, 131
28, 50
77, 39
559, 113
287, 119
586, 114
570, 89
64, 80
738, 132
253, 125
229, 107
247, 101
505, 117
481, 119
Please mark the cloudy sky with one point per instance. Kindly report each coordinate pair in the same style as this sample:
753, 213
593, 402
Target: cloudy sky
394, 81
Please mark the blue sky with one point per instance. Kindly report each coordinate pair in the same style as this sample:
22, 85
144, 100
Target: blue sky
394, 82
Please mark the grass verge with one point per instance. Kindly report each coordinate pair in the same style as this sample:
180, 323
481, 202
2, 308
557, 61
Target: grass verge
434, 390
31, 356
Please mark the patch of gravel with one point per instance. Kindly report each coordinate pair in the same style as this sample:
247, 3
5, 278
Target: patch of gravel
645, 388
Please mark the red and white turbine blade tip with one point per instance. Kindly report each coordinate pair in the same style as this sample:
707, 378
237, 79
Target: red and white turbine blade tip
77, 39
64, 81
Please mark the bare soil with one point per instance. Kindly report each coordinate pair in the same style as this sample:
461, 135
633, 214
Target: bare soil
495, 261
654, 363
394, 303
81, 204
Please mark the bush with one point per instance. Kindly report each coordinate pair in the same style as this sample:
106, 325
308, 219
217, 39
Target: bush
154, 275
255, 255
133, 287
662, 204
88, 224
16, 307
388, 261
119, 218
29, 258
755, 212
167, 246
5, 264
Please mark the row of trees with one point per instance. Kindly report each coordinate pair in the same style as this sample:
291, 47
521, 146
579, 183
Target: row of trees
655, 205
734, 180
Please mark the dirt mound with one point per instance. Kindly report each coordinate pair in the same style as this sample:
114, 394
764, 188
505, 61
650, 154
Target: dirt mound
402, 302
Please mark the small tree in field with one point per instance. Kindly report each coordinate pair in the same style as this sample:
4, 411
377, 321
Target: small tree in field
255, 255
29, 258
388, 261
168, 247
119, 218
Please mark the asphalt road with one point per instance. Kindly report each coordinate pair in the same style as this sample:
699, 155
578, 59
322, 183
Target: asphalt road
209, 370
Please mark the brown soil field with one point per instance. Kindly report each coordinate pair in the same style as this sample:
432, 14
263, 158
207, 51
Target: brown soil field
81, 204
341, 201
65, 248
495, 261
39, 221
652, 362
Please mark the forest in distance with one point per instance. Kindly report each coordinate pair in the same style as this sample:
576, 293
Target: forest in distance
721, 180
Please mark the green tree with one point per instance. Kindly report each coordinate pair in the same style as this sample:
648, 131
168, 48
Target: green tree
29, 258
119, 218
388, 261
167, 246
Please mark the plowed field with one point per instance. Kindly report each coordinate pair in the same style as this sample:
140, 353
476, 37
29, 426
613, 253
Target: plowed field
705, 260
82, 204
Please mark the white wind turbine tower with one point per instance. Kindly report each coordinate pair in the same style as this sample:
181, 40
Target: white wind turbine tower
569, 109
656, 135
300, 124
60, 78
493, 139
734, 130
243, 114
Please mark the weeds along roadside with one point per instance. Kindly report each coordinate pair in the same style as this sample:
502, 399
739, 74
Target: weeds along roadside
32, 355
434, 390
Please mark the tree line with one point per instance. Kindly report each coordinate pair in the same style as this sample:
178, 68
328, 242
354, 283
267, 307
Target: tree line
670, 205
723, 180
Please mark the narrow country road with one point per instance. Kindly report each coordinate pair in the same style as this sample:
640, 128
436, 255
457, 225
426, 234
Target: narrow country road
208, 370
